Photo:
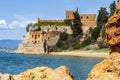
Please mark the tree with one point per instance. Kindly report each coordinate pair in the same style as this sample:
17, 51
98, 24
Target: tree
76, 27
101, 20
28, 26
112, 8
102, 16
62, 42
117, 1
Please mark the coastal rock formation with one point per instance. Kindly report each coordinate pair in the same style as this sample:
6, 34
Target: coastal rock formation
113, 30
6, 77
41, 73
41, 41
109, 69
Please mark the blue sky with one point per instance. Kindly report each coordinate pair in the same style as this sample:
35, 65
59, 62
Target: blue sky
16, 14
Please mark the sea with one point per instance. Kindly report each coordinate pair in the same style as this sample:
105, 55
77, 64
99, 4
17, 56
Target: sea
13, 63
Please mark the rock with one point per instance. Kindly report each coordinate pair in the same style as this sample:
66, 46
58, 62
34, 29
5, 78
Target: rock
41, 73
109, 68
113, 30
92, 47
6, 77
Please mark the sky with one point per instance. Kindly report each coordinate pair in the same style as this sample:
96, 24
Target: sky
16, 14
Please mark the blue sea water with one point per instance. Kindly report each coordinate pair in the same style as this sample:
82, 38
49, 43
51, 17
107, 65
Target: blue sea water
16, 63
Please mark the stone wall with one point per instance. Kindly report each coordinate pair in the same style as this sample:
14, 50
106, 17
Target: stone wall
30, 48
37, 42
88, 20
39, 20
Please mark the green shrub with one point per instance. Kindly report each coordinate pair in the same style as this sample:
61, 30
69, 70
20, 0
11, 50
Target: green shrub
52, 23
86, 42
62, 42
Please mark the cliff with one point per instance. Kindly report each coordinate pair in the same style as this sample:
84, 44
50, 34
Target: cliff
25, 47
41, 39
109, 69
41, 73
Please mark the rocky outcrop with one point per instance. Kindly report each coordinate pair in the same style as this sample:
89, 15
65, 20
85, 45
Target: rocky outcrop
109, 69
41, 73
113, 30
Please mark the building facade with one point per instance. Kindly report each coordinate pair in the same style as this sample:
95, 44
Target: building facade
88, 20
41, 36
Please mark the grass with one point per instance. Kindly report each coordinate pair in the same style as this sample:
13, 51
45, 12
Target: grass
101, 50
52, 23
97, 51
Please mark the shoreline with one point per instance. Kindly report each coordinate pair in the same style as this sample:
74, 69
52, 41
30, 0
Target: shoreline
82, 53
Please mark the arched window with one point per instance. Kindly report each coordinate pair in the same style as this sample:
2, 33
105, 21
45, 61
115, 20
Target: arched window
38, 36
81, 17
87, 17
32, 36
35, 36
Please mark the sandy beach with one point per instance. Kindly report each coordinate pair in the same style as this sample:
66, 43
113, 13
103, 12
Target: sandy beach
81, 53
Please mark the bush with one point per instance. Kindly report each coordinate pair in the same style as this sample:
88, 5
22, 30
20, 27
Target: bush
68, 42
86, 42
68, 22
62, 42
52, 23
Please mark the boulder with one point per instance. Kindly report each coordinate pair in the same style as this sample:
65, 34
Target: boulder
41, 73
6, 77
109, 68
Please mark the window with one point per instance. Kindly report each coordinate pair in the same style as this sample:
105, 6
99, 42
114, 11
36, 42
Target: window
38, 35
32, 36
81, 17
87, 17
35, 36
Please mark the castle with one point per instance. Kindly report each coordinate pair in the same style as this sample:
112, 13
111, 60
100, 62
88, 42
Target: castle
87, 20
39, 39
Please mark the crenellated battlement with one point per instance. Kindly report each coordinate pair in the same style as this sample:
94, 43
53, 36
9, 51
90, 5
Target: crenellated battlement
88, 20
39, 20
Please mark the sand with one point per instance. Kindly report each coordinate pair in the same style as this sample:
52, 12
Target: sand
88, 53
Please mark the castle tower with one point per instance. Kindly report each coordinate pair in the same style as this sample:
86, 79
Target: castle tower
69, 15
88, 20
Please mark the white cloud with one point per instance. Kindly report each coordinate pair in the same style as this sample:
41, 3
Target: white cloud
14, 24
3, 24
19, 21
19, 24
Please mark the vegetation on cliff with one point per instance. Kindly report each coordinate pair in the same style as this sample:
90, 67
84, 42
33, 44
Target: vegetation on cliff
70, 42
98, 34
101, 20
76, 27
109, 68
95, 36
53, 23
112, 8
62, 23
33, 27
